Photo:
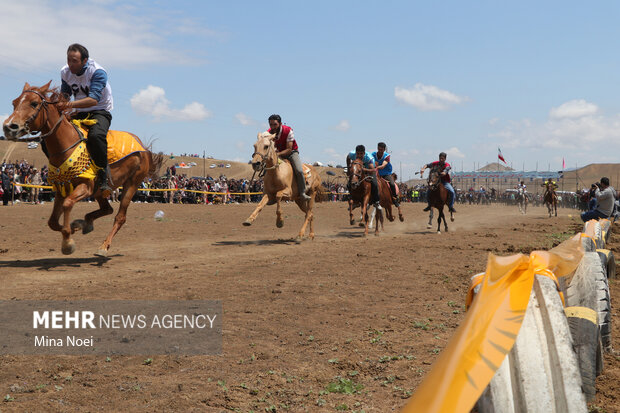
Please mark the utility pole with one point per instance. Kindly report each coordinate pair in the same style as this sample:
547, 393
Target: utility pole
204, 165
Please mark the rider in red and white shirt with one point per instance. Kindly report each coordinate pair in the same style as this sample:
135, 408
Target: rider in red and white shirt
287, 148
444, 168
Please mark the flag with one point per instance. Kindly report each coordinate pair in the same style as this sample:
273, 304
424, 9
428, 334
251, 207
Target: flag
563, 164
500, 156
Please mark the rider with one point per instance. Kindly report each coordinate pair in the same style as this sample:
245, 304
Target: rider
384, 167
87, 82
444, 172
522, 186
368, 166
286, 148
550, 185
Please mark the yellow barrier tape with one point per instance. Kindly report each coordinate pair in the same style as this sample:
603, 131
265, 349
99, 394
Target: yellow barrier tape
490, 328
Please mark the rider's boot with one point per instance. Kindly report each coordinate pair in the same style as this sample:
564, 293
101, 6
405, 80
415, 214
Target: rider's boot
102, 181
301, 186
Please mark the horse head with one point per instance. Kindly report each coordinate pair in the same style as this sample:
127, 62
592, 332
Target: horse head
356, 173
30, 111
264, 149
434, 178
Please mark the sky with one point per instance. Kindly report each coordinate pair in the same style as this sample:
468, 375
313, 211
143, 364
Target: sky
537, 79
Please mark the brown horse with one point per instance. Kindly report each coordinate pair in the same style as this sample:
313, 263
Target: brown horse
360, 189
550, 199
279, 184
438, 198
37, 109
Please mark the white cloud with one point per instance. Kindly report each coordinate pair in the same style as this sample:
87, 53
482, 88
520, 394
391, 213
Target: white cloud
343, 126
116, 33
573, 109
334, 154
152, 102
455, 152
428, 97
245, 120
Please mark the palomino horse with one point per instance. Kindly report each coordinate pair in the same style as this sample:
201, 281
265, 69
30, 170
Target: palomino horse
36, 109
279, 183
522, 200
438, 198
551, 199
359, 188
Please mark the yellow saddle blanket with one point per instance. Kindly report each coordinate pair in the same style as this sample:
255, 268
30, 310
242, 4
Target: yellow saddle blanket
79, 164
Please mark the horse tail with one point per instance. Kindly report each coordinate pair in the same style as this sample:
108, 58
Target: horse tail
157, 160
322, 194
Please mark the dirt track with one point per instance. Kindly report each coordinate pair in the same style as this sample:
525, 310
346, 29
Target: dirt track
373, 310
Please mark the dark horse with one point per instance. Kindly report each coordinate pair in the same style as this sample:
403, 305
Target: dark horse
438, 198
551, 199
359, 188
39, 109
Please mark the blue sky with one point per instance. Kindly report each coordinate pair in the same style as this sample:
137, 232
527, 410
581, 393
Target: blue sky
538, 79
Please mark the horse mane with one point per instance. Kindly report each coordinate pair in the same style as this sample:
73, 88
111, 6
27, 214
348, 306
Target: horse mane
54, 95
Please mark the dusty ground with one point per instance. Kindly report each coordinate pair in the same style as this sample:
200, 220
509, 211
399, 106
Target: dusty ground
374, 311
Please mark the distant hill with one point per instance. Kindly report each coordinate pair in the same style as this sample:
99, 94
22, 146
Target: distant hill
12, 151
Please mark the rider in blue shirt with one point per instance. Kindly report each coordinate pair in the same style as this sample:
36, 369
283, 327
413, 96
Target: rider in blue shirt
384, 167
369, 166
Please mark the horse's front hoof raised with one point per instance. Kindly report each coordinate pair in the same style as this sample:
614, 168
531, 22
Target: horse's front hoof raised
279, 224
101, 253
247, 223
352, 221
429, 226
452, 219
77, 225
361, 224
402, 219
68, 247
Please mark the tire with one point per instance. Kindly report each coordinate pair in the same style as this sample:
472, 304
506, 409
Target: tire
589, 288
588, 244
609, 262
593, 228
541, 372
586, 335
605, 228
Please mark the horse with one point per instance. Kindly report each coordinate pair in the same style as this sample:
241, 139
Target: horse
279, 184
360, 190
522, 200
551, 200
37, 109
438, 198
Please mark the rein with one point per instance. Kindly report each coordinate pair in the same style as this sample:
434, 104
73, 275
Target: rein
43, 104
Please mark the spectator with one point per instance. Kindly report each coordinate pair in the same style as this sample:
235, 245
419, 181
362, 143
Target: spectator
605, 199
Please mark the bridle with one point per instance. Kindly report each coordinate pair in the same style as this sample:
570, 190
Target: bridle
360, 176
43, 104
434, 183
263, 163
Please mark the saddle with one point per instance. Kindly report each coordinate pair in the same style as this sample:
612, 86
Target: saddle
80, 165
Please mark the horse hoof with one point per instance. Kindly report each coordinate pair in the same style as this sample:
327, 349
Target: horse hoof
402, 219
298, 240
77, 225
87, 228
279, 224
68, 247
452, 219
439, 232
352, 222
247, 223
429, 226
101, 253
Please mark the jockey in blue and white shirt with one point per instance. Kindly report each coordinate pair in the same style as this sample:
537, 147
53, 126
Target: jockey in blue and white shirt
384, 168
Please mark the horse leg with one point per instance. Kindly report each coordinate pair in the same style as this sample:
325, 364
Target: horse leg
52, 222
400, 214
380, 221
445, 223
307, 208
351, 220
129, 190
279, 220
254, 214
87, 223
80, 192
430, 219
372, 217
365, 213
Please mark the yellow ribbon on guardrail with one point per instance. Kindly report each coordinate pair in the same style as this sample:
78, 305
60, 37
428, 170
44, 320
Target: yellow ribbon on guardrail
490, 328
